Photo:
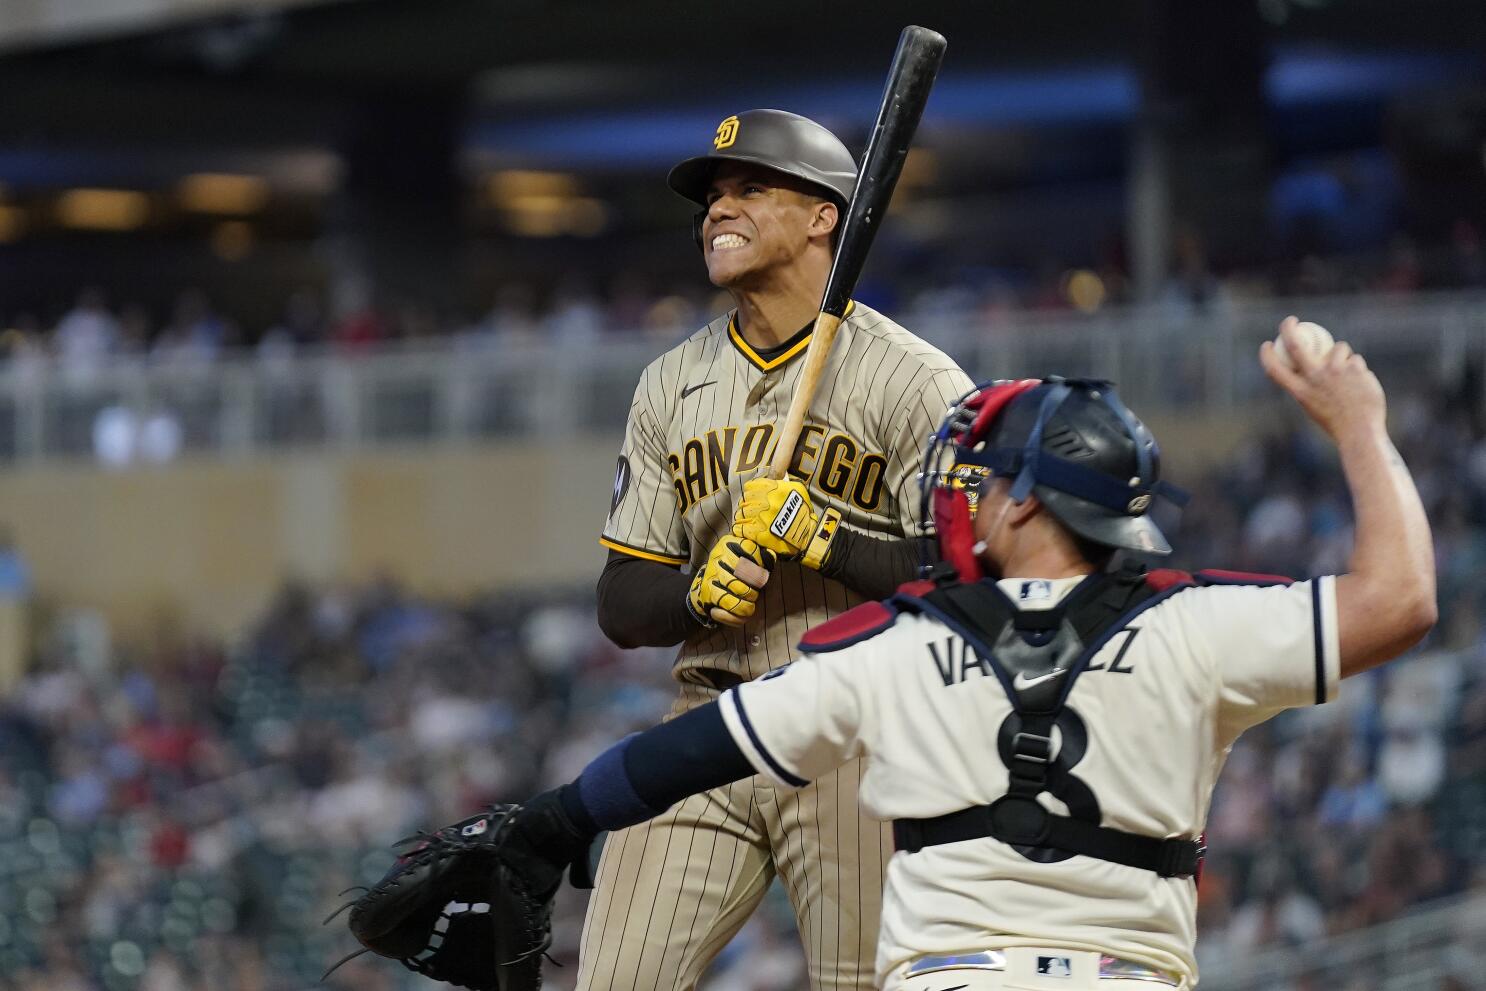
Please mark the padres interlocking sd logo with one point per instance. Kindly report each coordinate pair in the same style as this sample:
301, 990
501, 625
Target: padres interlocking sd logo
727, 133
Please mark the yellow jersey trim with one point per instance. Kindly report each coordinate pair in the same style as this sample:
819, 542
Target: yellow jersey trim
615, 545
753, 356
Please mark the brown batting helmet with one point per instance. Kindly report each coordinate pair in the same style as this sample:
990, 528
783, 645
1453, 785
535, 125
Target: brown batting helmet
775, 139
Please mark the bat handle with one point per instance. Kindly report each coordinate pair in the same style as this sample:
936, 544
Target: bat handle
821, 338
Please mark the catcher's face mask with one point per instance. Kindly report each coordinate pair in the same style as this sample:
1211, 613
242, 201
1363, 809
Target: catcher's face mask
1102, 501
949, 484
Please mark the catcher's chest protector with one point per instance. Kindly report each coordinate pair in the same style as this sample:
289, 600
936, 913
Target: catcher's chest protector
1037, 655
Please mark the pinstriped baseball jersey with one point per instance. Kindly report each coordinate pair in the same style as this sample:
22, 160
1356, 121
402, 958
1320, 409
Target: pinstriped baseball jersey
703, 422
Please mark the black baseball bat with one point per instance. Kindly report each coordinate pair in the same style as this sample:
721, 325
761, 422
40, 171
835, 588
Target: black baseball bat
915, 64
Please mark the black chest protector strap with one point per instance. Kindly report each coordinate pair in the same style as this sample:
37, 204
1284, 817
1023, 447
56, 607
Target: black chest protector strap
980, 614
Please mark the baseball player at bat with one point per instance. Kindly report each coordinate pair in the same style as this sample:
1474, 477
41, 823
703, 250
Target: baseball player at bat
766, 560
1044, 730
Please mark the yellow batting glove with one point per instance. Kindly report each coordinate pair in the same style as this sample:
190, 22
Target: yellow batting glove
717, 594
777, 514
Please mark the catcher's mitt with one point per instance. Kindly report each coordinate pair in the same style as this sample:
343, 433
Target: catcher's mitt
472, 903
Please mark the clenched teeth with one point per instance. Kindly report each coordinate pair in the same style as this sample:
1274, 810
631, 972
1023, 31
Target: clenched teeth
728, 241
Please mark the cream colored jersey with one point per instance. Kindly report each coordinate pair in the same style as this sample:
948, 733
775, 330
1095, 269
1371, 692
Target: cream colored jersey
703, 422
1154, 716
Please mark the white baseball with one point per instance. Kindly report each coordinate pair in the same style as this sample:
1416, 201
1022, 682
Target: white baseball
1317, 340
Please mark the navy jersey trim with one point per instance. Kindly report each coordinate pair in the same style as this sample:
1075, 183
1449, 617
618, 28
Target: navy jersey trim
753, 737
1319, 640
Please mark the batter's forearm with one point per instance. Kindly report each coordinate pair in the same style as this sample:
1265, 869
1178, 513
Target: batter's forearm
645, 774
872, 567
643, 603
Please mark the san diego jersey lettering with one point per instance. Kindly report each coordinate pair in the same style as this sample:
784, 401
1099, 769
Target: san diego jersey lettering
704, 420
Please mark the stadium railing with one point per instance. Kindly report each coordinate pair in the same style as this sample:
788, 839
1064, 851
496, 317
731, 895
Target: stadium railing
1418, 952
469, 387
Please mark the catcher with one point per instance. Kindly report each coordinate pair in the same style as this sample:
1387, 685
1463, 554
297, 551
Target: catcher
1045, 739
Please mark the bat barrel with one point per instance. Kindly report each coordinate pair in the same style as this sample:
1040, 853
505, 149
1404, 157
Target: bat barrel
915, 65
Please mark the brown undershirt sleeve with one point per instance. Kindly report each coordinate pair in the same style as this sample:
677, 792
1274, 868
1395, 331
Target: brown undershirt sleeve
643, 603
872, 567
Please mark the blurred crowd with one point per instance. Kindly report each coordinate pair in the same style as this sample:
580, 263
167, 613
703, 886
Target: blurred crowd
180, 814
95, 330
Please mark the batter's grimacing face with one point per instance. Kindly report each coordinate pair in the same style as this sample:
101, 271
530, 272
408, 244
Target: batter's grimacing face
758, 223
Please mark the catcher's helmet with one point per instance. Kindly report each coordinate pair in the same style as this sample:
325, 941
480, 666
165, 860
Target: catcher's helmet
1071, 442
776, 139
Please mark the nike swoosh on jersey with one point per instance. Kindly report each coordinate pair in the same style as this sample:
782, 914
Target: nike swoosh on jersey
1021, 682
957, 987
693, 388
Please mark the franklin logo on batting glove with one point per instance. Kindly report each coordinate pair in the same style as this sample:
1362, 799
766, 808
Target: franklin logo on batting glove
787, 513
778, 514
